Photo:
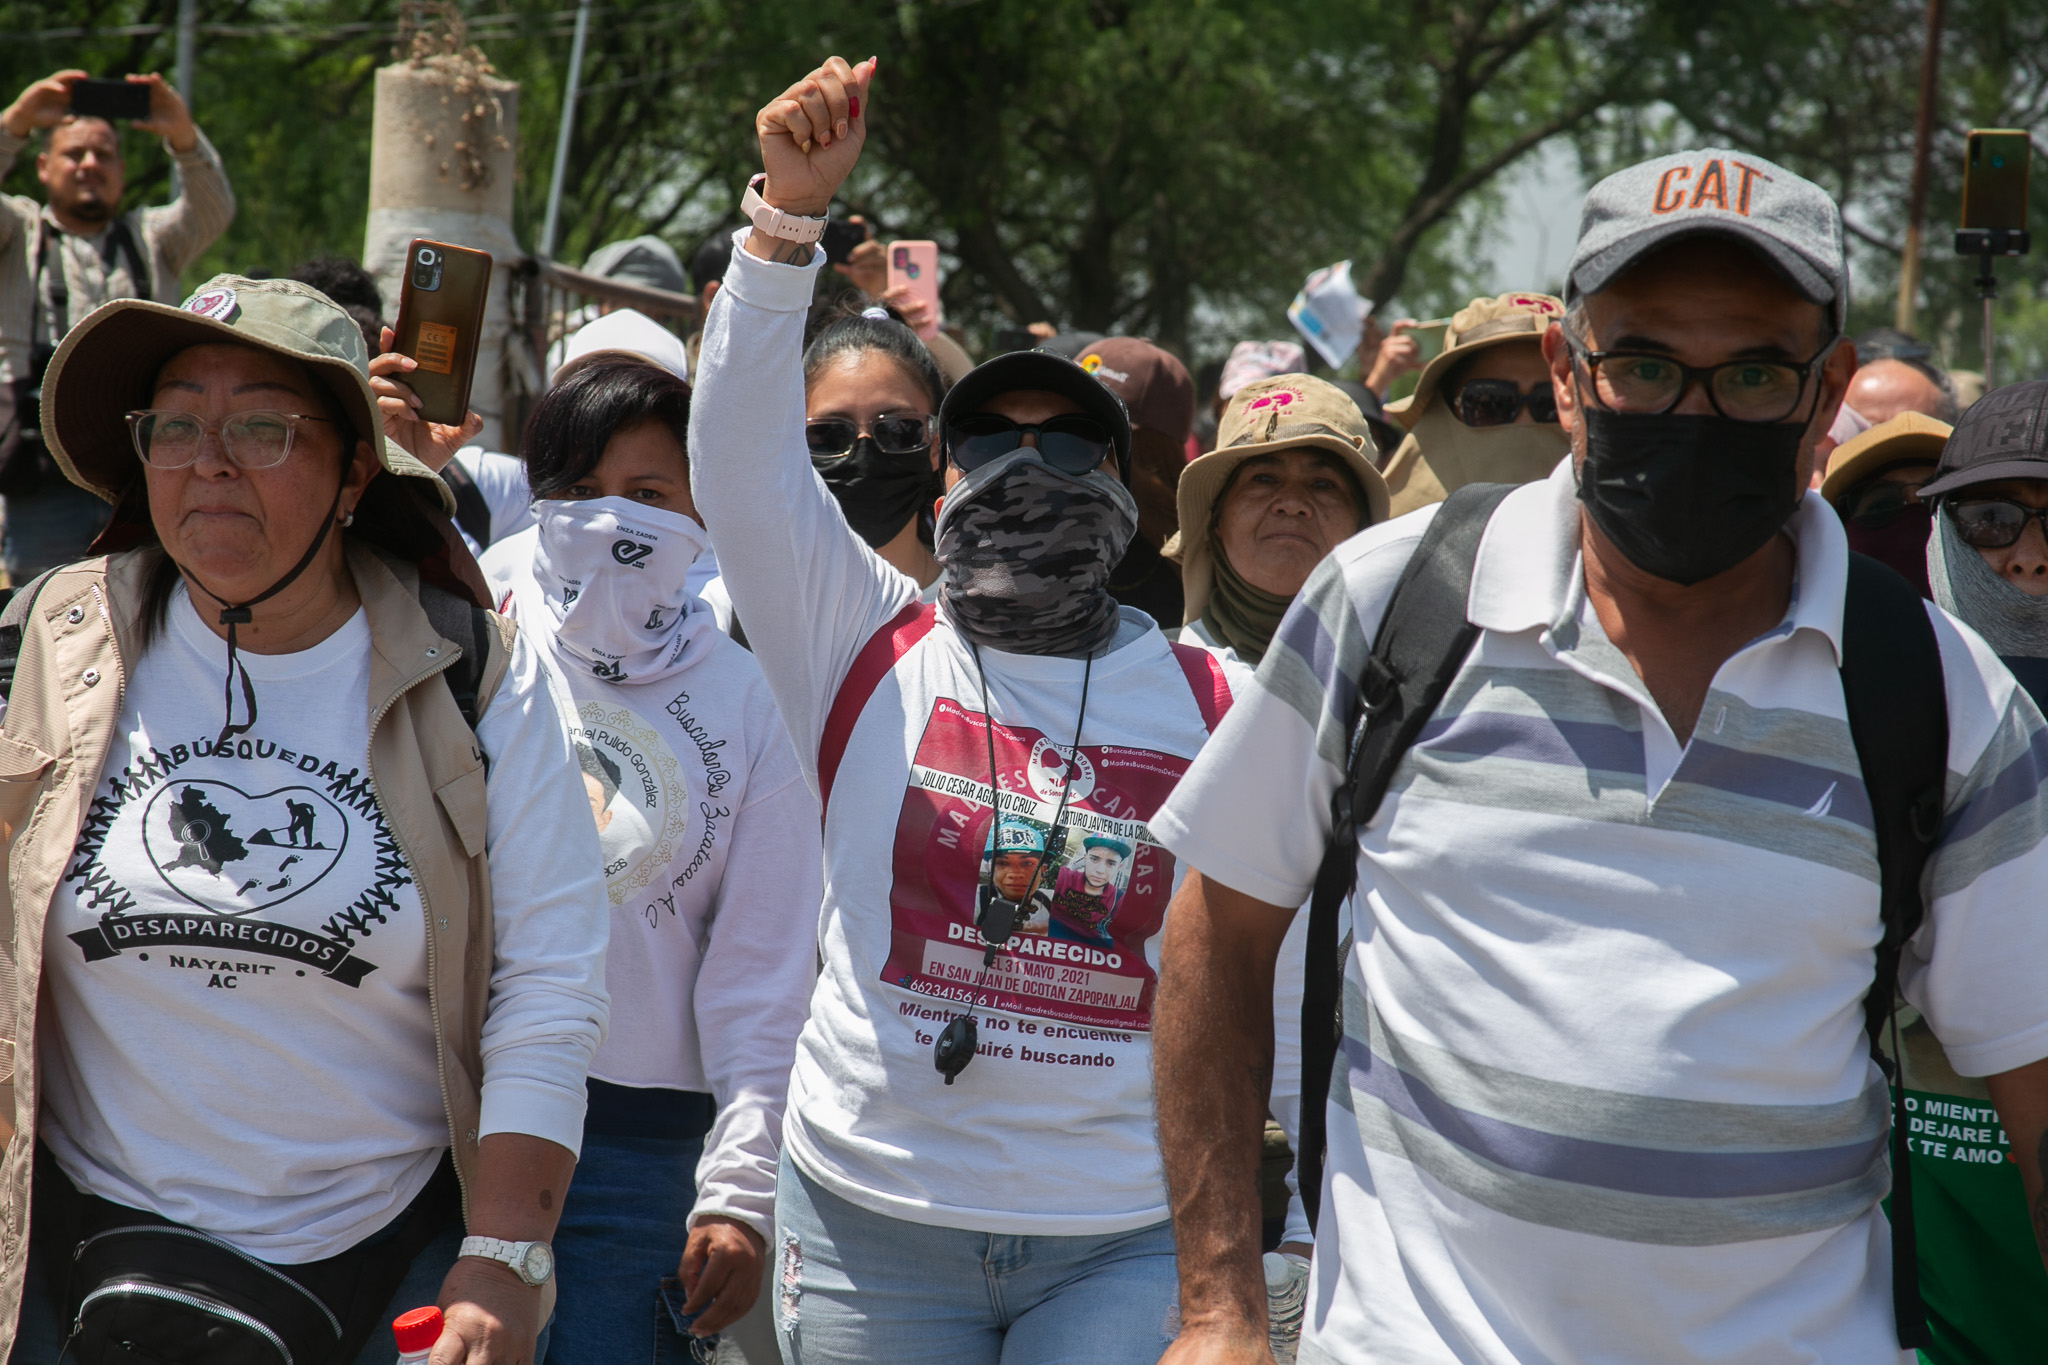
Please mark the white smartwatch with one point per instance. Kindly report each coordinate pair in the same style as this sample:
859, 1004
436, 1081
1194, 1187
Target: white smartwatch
790, 227
533, 1262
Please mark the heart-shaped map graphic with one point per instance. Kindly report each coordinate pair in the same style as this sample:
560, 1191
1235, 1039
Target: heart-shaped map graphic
227, 851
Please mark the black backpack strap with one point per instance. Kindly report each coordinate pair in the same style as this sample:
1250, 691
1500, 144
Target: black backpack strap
469, 626
1422, 642
1898, 718
472, 513
15, 608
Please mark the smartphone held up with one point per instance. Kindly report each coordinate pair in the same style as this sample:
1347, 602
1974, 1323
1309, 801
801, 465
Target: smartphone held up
914, 268
440, 323
109, 98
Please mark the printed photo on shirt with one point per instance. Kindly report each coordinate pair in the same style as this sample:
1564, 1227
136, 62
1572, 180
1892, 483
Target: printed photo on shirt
1017, 865
639, 799
1084, 963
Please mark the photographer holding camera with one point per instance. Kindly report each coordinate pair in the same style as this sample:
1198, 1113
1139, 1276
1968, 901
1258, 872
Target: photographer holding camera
61, 259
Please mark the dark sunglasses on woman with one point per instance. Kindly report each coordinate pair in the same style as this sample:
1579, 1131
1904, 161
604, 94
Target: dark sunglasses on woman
1877, 505
1993, 523
1071, 443
832, 438
1497, 402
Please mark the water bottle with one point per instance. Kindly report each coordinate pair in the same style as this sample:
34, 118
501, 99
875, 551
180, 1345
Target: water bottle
416, 1332
1286, 1298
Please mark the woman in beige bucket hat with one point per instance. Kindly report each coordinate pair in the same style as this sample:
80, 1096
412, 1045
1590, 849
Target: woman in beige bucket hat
289, 969
1491, 367
1291, 476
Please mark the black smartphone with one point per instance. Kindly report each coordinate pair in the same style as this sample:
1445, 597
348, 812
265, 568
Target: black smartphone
1995, 178
841, 238
98, 97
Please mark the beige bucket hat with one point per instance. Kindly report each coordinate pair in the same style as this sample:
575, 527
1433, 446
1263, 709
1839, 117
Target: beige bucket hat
1478, 326
1909, 436
1285, 412
108, 363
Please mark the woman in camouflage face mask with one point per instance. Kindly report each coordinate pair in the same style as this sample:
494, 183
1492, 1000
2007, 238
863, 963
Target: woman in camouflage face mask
1024, 712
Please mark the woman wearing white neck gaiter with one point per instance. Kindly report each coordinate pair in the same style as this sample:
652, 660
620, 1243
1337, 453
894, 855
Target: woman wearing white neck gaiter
711, 859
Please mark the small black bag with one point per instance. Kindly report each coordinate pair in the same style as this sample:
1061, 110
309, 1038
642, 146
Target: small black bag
141, 1290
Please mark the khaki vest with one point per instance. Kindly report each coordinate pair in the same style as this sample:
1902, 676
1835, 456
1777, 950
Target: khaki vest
425, 769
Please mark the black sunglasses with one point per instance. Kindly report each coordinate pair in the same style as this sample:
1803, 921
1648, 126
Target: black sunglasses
1993, 523
832, 438
1878, 504
1071, 443
1497, 402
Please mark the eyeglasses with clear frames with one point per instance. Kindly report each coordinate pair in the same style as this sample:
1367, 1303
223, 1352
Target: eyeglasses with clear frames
1740, 390
257, 439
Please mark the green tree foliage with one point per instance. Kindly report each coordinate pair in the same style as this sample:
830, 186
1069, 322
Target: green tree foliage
1168, 167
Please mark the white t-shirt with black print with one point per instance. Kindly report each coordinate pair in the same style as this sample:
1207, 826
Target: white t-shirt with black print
239, 1037
713, 876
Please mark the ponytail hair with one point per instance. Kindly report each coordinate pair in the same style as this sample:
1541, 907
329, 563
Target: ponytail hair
872, 329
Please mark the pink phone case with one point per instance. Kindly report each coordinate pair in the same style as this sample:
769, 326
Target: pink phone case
915, 266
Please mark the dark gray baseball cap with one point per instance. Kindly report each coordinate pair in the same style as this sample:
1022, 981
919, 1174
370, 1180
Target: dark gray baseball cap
1792, 222
2003, 435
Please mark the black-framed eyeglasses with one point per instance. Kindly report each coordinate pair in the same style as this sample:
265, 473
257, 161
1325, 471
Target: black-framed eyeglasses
1879, 503
832, 438
257, 439
1993, 523
1497, 402
1740, 390
1072, 443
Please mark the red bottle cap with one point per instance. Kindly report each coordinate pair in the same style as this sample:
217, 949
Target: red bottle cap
416, 1331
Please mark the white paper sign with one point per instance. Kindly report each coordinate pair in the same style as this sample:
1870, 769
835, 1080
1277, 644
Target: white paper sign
1329, 314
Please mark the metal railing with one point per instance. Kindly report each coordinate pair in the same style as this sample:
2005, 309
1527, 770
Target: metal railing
549, 301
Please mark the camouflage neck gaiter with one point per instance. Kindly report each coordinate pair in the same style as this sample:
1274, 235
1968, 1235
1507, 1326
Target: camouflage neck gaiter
1027, 552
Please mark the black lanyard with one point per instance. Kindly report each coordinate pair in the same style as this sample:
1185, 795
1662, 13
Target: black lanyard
52, 292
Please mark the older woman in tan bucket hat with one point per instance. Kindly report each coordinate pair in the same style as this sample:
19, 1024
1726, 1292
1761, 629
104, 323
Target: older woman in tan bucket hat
1291, 476
304, 963
1482, 411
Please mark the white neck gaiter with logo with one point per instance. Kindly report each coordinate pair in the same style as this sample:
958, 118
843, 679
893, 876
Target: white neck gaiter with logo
610, 575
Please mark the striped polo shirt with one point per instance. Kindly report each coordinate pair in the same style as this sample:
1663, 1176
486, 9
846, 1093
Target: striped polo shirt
1604, 1093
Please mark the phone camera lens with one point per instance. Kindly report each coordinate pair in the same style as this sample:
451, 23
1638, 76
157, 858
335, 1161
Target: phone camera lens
427, 256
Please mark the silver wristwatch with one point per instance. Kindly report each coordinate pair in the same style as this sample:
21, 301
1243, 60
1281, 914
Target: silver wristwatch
533, 1262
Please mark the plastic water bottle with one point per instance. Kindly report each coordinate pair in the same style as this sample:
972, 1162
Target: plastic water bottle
1286, 1298
416, 1332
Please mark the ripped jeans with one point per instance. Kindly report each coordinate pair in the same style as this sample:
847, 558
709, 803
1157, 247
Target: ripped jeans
852, 1287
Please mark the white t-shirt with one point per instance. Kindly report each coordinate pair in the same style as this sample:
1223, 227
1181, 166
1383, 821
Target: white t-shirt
709, 839
1050, 1129
239, 1037
502, 480
1609, 1096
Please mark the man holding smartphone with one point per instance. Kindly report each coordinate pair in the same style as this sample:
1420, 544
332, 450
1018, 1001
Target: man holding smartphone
63, 258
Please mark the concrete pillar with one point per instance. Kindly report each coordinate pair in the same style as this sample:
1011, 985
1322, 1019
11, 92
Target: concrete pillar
443, 145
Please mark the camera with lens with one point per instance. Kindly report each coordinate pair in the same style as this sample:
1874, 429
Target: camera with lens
426, 268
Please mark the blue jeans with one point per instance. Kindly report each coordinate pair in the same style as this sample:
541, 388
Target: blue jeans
623, 1228
855, 1287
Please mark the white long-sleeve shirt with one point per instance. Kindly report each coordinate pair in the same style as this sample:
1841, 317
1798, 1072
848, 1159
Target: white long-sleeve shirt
709, 842
302, 1071
1050, 1129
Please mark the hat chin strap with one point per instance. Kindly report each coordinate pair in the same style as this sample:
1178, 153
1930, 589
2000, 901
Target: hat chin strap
242, 613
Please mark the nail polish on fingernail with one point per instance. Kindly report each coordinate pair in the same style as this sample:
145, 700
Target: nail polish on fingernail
853, 105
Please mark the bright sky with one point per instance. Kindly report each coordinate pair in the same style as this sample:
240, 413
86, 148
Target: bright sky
1532, 244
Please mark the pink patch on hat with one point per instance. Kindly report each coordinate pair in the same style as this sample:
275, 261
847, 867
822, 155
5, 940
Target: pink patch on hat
1540, 305
1279, 398
218, 304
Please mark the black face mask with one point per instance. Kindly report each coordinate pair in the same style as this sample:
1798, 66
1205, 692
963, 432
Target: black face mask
879, 493
1686, 496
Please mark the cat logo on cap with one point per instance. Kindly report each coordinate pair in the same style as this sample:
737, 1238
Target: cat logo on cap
218, 304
